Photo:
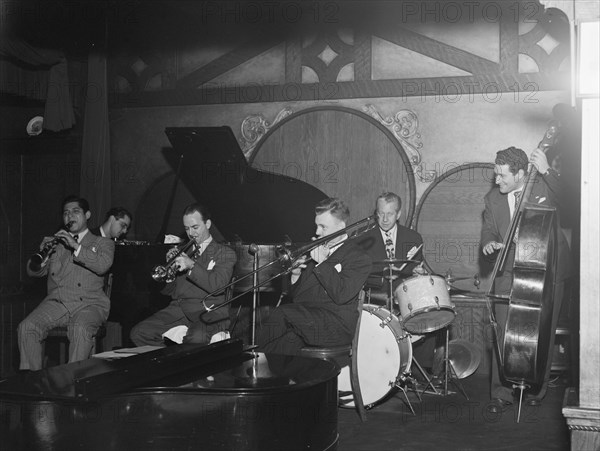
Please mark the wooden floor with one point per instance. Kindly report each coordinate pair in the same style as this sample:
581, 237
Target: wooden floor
453, 422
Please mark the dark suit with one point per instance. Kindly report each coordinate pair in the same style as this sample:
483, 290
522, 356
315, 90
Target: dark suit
75, 299
213, 270
372, 243
324, 310
496, 220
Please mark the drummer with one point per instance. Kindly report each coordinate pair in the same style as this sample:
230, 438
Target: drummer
393, 242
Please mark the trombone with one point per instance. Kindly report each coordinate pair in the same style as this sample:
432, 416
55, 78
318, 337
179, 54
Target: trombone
289, 259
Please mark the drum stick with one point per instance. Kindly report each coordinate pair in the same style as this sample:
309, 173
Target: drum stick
410, 255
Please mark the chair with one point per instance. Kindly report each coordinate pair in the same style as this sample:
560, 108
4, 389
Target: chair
336, 353
59, 333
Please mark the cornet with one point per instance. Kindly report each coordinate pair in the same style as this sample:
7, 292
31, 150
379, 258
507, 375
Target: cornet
168, 271
37, 260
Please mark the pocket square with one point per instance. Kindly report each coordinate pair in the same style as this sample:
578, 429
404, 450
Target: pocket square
211, 264
338, 267
542, 199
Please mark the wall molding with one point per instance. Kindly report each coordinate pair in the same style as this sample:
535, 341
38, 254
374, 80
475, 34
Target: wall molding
338, 64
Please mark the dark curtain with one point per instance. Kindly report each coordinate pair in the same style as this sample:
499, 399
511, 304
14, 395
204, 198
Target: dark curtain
58, 113
95, 155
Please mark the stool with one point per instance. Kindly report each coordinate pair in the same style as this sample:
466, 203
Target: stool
340, 355
59, 334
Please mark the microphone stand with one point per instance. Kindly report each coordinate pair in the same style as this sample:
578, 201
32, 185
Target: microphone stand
253, 249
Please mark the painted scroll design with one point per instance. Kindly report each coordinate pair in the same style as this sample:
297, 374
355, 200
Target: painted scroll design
255, 127
404, 125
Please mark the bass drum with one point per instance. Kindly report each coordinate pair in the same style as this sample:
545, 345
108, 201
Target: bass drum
384, 354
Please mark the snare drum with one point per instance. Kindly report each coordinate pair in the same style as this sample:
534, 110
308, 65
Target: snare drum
424, 304
384, 354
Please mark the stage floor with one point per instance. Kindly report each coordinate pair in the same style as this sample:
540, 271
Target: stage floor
455, 423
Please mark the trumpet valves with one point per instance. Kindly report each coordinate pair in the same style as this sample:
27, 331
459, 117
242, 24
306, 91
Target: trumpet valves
162, 273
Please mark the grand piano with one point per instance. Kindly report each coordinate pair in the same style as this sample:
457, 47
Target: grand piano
215, 397
222, 396
248, 206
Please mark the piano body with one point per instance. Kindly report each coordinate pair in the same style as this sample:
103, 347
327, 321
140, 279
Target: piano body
218, 396
248, 206
214, 397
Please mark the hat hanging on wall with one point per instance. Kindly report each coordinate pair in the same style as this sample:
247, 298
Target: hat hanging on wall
34, 126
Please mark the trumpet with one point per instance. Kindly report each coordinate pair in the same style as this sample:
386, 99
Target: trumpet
168, 271
37, 260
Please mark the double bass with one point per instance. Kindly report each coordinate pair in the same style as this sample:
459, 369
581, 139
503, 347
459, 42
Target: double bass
525, 349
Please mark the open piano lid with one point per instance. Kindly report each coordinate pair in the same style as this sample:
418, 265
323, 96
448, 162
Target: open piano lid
245, 203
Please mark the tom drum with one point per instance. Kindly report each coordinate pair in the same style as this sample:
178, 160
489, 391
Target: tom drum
425, 304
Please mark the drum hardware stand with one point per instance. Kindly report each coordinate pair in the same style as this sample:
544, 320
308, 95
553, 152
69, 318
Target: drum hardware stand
521, 386
450, 372
424, 374
391, 277
401, 382
448, 366
253, 249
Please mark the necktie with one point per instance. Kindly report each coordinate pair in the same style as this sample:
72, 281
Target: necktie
517, 195
389, 245
76, 238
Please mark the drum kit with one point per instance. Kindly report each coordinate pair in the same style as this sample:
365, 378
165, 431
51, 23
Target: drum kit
415, 306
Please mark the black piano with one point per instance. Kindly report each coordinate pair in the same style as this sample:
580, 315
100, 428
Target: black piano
248, 206
221, 396
214, 397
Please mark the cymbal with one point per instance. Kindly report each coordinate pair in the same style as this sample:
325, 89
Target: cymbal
393, 261
464, 356
379, 272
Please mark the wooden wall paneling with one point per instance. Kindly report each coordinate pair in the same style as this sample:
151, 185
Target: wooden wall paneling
504, 75
344, 153
362, 56
438, 50
39, 173
47, 180
10, 222
244, 52
293, 56
450, 217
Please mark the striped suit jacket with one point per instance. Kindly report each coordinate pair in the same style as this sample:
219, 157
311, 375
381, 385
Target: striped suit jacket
75, 279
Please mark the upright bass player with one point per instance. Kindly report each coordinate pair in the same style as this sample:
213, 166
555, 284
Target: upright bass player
511, 168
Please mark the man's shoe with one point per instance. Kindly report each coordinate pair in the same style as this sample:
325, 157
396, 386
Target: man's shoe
533, 402
498, 405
